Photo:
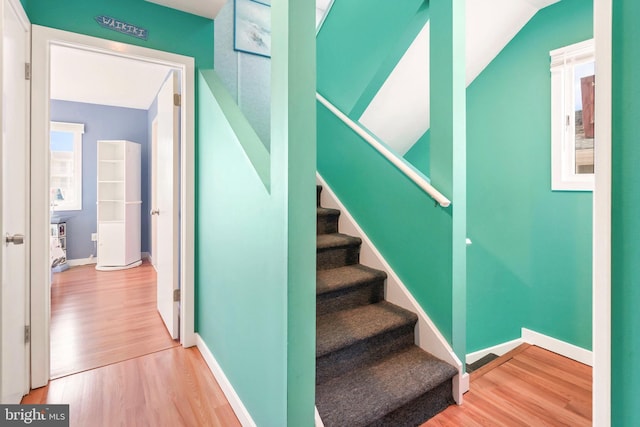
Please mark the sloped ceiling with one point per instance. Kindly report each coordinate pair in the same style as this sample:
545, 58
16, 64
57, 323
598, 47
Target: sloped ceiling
97, 78
399, 113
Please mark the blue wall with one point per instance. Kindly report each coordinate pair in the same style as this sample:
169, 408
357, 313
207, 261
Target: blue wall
247, 77
101, 122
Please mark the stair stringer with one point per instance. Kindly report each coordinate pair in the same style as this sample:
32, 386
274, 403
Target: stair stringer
427, 335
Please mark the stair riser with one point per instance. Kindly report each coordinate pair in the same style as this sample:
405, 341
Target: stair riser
327, 224
337, 257
373, 349
420, 409
369, 293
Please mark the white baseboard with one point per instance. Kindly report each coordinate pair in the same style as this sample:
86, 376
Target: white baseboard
234, 400
562, 348
82, 261
565, 349
428, 337
460, 387
94, 260
499, 350
318, 422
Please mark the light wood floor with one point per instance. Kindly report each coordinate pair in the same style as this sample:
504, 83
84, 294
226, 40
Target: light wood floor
528, 387
103, 317
114, 362
171, 387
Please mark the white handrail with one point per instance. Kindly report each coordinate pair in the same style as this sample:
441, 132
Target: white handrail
410, 173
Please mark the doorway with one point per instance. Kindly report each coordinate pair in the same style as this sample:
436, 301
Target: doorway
101, 110
44, 40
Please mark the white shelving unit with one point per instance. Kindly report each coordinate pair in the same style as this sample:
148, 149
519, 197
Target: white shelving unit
119, 204
58, 237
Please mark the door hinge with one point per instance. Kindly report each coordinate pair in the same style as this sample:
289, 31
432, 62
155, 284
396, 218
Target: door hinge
27, 334
177, 99
27, 71
176, 295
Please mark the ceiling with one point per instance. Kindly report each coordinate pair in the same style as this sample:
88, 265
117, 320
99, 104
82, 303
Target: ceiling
399, 113
98, 78
205, 8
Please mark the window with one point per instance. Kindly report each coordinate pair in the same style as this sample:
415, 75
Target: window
572, 117
66, 166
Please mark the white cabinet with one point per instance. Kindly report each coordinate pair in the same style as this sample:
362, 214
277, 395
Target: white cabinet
119, 204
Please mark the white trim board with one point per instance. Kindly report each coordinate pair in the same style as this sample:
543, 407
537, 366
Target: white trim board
499, 350
318, 420
43, 39
601, 293
81, 261
427, 335
234, 400
540, 340
555, 345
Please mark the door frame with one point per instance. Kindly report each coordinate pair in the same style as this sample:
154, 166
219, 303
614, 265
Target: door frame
42, 40
601, 244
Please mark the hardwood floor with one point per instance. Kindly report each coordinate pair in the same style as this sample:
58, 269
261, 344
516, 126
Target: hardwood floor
147, 379
171, 387
529, 386
103, 317
114, 362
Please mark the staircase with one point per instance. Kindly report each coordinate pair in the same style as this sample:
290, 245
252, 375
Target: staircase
369, 372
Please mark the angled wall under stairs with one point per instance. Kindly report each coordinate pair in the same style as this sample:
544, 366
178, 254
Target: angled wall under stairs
369, 372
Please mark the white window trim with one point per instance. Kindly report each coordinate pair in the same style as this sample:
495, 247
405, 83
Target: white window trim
77, 129
563, 60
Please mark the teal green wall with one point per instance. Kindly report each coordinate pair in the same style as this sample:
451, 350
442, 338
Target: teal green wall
413, 236
625, 220
358, 45
447, 99
419, 154
169, 29
293, 151
241, 303
530, 262
256, 231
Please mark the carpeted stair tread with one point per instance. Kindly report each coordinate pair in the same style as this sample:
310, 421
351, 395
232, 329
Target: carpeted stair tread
366, 394
341, 329
336, 240
327, 211
336, 279
327, 220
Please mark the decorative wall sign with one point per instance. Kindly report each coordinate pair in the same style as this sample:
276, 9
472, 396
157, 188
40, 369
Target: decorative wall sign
122, 27
252, 27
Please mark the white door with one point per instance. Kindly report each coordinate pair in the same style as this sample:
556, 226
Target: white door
154, 192
166, 209
14, 213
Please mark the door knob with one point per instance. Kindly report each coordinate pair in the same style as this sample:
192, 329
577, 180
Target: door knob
154, 212
16, 239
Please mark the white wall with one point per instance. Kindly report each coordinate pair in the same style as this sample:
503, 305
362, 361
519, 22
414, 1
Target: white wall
399, 113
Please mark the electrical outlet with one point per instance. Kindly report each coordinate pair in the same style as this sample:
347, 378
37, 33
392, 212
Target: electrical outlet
94, 237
